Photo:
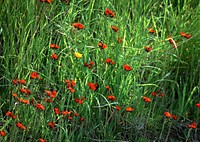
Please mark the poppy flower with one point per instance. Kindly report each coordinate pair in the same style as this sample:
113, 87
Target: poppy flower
51, 94
110, 13
65, 112
185, 35
34, 75
79, 101
198, 105
54, 46
25, 91
118, 108
14, 95
71, 89
42, 140
147, 48
2, 133
108, 60
162, 95
39, 106
93, 86
154, 94
151, 30
20, 125
48, 100
146, 99
54, 56
78, 25
76, 114
127, 67
9, 113
56, 110
114, 28
82, 119
102, 45
169, 115
172, 41
14, 81
111, 97
51, 124
129, 109
47, 1
89, 65
108, 88
78, 55
22, 81
119, 40
193, 125
24, 101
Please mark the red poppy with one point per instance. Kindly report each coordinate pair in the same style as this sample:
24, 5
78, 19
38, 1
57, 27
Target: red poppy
147, 48
102, 45
39, 106
108, 60
193, 125
198, 105
9, 113
169, 115
127, 67
146, 99
162, 95
42, 140
78, 25
24, 101
51, 124
48, 100
20, 125
54, 46
129, 109
151, 30
56, 110
118, 108
93, 86
35, 75
14, 95
154, 94
47, 1
110, 13
111, 97
54, 56
185, 35
51, 94
78, 100
2, 133
14, 81
114, 28
119, 40
108, 88
26, 91
65, 112
89, 65
22, 81
82, 119
172, 41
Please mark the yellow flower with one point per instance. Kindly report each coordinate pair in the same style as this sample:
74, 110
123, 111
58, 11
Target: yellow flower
78, 55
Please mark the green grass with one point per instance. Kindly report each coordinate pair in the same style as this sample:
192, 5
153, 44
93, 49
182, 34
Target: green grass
27, 28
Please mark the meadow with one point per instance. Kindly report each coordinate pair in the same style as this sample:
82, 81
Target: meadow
93, 71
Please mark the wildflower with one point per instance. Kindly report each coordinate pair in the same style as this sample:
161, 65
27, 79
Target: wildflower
93, 86
20, 125
22, 81
65, 112
108, 88
169, 115
151, 30
108, 60
51, 124
54, 56
172, 41
56, 110
39, 106
76, 114
26, 91
114, 28
2, 133
147, 48
193, 125
127, 67
110, 13
14, 81
35, 75
118, 108
82, 119
51, 94
54, 46
119, 40
78, 101
89, 65
78, 25
185, 35
47, 1
78, 55
154, 94
24, 101
71, 89
9, 113
146, 99
48, 100
111, 97
102, 45
162, 95
198, 105
14, 95
129, 109
42, 140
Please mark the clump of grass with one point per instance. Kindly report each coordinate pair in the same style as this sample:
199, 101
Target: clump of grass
82, 71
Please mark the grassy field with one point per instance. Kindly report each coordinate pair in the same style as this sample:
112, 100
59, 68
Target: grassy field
106, 70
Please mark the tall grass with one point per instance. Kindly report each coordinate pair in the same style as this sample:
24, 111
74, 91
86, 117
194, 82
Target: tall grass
27, 29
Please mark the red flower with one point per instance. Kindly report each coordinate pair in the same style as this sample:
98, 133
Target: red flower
19, 125
82, 119
185, 35
42, 140
198, 105
110, 13
193, 125
2, 133
54, 56
118, 108
22, 81
146, 99
172, 41
51, 124
26, 91
47, 1
119, 40
108, 60
108, 88
93, 86
147, 48
51, 94
151, 30
9, 113
39, 106
78, 25
114, 28
14, 95
35, 75
154, 94
129, 109
89, 65
24, 101
65, 112
48, 100
56, 110
102, 45
54, 46
78, 101
127, 67
169, 115
111, 97
14, 81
